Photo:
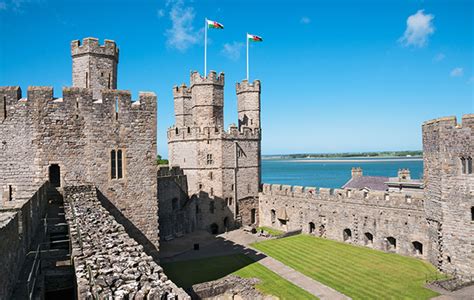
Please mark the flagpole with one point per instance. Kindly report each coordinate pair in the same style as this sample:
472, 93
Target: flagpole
205, 47
247, 38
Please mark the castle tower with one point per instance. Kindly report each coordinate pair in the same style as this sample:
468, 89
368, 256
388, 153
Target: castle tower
182, 106
94, 66
248, 103
448, 150
208, 99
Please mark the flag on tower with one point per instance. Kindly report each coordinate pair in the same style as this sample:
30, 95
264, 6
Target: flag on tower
214, 25
254, 38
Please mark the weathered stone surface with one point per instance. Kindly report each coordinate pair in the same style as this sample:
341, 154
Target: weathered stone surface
230, 287
110, 262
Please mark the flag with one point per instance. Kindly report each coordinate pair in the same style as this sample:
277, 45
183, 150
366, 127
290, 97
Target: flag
214, 24
254, 38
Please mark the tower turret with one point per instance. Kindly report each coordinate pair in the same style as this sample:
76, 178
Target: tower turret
94, 66
248, 103
182, 106
208, 99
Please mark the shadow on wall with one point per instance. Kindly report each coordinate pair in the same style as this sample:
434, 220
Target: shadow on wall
130, 228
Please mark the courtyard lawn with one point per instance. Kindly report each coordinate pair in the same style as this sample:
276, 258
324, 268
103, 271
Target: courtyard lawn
187, 273
358, 272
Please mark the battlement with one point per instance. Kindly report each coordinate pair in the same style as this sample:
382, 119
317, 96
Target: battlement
181, 91
167, 171
380, 198
91, 46
212, 78
451, 122
245, 86
203, 133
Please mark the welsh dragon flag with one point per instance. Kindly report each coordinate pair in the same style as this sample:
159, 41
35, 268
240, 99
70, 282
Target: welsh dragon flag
254, 38
214, 25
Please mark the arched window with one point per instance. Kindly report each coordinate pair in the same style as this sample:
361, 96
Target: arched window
347, 235
119, 164
391, 243
273, 215
312, 227
113, 164
469, 165
417, 248
368, 238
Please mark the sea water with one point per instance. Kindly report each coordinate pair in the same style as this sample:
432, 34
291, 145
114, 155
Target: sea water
333, 172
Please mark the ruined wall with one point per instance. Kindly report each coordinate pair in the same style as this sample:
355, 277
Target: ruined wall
177, 214
449, 197
107, 261
222, 166
361, 218
20, 222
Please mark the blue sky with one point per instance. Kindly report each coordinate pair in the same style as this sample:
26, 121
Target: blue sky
337, 76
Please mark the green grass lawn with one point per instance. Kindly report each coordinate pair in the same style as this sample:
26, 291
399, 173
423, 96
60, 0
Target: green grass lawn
358, 272
187, 273
273, 232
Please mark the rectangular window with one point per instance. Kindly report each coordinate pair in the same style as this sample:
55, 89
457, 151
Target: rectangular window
463, 165
210, 161
119, 164
113, 164
4, 107
10, 193
469, 165
116, 108
87, 80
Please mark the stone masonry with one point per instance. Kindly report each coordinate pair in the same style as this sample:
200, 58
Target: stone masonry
221, 166
93, 134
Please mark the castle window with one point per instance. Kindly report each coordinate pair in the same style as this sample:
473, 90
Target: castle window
113, 164
347, 235
176, 131
200, 186
391, 243
210, 161
116, 108
469, 165
102, 74
116, 164
211, 207
174, 204
10, 193
472, 213
210, 175
87, 80
463, 165
230, 201
273, 216
417, 248
119, 164
232, 187
212, 191
189, 130
4, 107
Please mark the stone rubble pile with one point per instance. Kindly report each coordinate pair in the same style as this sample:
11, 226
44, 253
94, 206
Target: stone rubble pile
109, 264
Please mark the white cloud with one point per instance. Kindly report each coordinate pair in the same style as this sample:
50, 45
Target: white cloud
181, 35
419, 28
305, 20
439, 57
233, 50
457, 72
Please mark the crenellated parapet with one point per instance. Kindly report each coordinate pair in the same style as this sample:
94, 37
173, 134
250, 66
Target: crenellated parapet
169, 171
245, 86
204, 133
370, 198
211, 79
91, 45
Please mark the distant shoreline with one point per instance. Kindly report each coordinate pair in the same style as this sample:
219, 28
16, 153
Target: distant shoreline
342, 160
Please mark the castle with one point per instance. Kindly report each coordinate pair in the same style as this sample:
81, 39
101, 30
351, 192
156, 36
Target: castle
96, 148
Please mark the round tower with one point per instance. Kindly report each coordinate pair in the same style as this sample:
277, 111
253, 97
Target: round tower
182, 106
248, 103
94, 66
208, 99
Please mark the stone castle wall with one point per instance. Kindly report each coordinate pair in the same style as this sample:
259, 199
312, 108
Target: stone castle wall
449, 193
78, 132
362, 218
20, 222
222, 166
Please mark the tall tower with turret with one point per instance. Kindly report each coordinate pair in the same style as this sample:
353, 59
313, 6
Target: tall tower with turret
222, 166
448, 151
94, 66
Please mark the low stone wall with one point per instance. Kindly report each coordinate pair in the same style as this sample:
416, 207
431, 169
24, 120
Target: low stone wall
107, 261
19, 225
229, 287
